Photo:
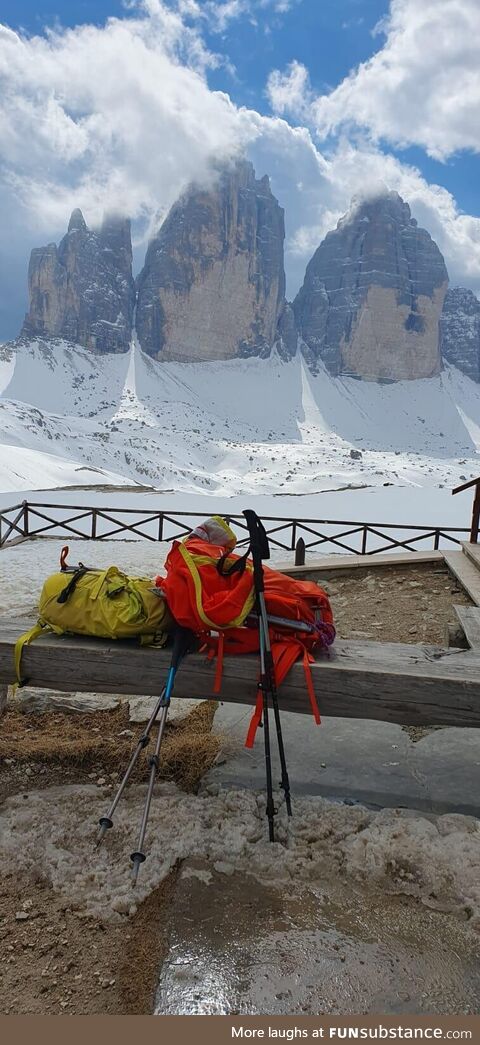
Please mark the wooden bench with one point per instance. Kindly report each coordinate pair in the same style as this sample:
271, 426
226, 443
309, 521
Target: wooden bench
391, 682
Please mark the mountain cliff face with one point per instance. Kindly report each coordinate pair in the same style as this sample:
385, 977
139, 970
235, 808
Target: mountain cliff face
213, 283
373, 303
83, 290
460, 331
372, 296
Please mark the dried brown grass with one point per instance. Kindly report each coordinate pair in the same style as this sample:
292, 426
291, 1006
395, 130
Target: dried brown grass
93, 739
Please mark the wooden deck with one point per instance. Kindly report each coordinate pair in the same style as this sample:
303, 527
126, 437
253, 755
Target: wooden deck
391, 682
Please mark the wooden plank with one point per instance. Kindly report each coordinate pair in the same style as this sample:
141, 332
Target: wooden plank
469, 617
472, 551
322, 563
466, 573
3, 698
393, 682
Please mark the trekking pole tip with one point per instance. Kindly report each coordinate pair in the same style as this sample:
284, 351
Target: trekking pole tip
137, 859
105, 823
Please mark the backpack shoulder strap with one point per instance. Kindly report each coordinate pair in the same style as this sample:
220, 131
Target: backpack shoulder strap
24, 640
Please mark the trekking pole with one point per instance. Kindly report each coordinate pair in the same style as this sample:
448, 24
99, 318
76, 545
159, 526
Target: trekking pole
106, 822
182, 641
260, 550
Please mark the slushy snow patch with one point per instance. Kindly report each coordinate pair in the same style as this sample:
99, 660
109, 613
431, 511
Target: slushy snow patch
52, 833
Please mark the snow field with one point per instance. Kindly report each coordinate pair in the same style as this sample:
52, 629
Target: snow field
241, 426
436, 860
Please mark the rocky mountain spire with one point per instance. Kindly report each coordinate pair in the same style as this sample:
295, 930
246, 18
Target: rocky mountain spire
372, 295
83, 290
460, 331
213, 283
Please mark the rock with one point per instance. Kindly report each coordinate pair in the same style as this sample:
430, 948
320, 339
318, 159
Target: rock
460, 331
372, 295
140, 709
287, 335
83, 290
21, 916
213, 283
356, 455
40, 700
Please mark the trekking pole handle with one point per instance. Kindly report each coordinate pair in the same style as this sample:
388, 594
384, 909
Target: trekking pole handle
183, 641
258, 544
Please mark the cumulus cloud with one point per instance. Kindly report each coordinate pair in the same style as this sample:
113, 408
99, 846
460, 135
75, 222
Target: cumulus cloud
289, 92
422, 86
117, 115
220, 13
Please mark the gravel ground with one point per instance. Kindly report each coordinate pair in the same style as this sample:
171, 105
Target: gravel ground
396, 604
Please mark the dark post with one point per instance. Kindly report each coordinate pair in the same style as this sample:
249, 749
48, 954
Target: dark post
25, 518
476, 507
94, 524
437, 540
475, 515
300, 552
160, 526
364, 540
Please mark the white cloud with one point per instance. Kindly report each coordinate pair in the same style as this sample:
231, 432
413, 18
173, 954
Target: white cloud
121, 113
289, 92
422, 86
219, 13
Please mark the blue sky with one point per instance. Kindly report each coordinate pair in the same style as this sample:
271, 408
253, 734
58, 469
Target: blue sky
125, 116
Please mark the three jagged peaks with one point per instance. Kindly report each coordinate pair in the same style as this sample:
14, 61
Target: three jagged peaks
373, 304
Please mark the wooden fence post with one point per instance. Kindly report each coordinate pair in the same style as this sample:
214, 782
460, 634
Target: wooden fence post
475, 515
364, 540
476, 507
300, 552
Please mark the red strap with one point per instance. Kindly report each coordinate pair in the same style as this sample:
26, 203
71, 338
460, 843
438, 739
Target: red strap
307, 660
255, 720
285, 655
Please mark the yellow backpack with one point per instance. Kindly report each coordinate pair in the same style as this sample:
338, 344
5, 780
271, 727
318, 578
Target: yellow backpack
104, 603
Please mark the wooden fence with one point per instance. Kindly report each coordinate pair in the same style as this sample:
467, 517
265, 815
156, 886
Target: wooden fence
32, 519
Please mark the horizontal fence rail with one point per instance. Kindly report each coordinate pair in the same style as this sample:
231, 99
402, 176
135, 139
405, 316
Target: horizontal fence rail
32, 519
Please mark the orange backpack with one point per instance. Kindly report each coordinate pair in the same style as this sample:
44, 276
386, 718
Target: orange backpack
209, 594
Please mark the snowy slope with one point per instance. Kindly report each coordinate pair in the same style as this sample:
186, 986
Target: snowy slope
242, 426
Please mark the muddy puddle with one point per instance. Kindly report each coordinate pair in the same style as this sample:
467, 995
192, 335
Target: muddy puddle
238, 946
